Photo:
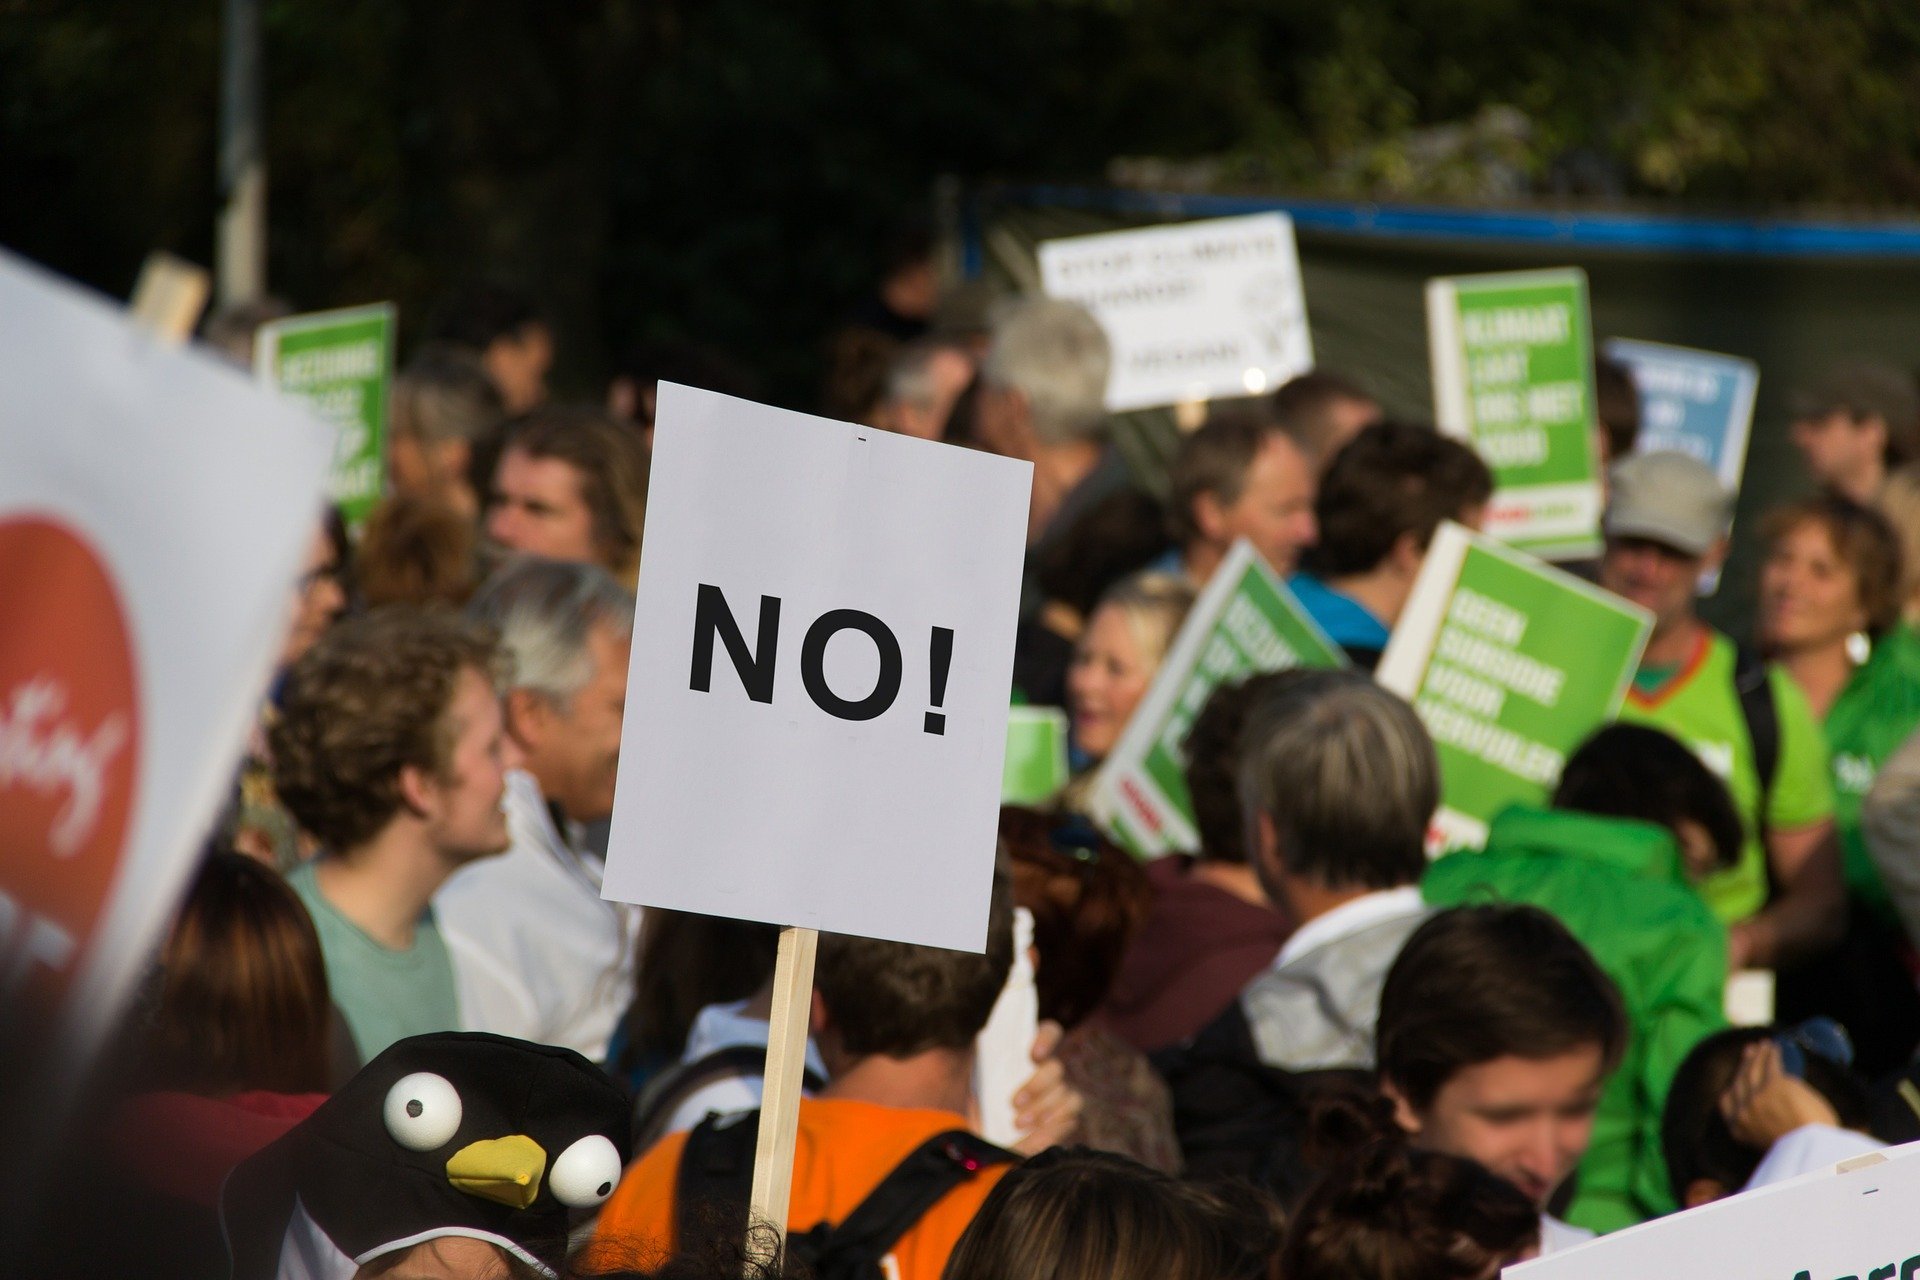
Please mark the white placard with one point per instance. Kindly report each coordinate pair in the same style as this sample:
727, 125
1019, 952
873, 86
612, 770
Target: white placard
155, 507
1196, 311
1854, 1221
788, 754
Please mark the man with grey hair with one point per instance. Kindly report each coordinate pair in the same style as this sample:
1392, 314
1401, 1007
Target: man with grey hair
924, 382
537, 953
1042, 398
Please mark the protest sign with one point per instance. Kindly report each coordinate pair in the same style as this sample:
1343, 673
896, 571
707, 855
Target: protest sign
1195, 311
341, 364
1512, 356
1854, 1221
1244, 623
1511, 664
1036, 767
822, 652
127, 686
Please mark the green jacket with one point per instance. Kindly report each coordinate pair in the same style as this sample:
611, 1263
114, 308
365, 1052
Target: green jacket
1877, 711
1618, 887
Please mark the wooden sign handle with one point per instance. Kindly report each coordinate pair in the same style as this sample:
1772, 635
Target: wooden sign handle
780, 1100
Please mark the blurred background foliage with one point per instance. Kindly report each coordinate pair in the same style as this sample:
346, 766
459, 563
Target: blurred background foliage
725, 170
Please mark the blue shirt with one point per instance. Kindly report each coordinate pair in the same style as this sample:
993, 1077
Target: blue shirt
1347, 622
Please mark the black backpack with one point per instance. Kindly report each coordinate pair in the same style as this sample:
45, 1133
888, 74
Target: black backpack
1755, 691
714, 1184
667, 1092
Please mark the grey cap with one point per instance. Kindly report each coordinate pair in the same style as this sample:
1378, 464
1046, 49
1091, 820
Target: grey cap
1669, 498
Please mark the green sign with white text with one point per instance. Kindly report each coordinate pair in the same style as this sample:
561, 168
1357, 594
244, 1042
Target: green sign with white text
1036, 766
341, 364
1512, 357
1246, 622
1511, 665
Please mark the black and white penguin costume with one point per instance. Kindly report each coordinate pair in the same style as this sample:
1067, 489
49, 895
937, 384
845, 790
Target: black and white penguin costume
457, 1134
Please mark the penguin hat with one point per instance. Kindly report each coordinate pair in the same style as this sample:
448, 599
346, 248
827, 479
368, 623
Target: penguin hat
455, 1134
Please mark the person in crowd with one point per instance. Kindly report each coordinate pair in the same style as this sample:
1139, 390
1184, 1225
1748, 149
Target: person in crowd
1665, 525
923, 384
416, 551
537, 953
1380, 501
391, 751
1899, 502
230, 330
1075, 1214
1734, 1108
1636, 818
233, 1047
1855, 426
1210, 928
1321, 412
1496, 1034
902, 305
1087, 898
1118, 536
1238, 477
1042, 398
855, 383
505, 332
1830, 618
255, 822
1616, 403
571, 484
633, 391
443, 403
1346, 873
695, 993
1392, 1211
1118, 655
895, 1025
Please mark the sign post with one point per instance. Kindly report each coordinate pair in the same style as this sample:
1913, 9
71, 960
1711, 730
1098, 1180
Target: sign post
341, 364
1197, 311
1511, 664
1512, 360
1244, 623
822, 656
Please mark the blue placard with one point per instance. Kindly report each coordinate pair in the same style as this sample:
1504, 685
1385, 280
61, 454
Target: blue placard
1693, 402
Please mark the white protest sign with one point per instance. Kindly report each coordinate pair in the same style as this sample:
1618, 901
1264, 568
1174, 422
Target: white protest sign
154, 508
1195, 311
1853, 1222
822, 662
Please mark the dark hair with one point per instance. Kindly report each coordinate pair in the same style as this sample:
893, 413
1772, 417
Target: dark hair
1478, 983
857, 361
478, 313
1391, 480
1346, 774
686, 963
1213, 460
611, 461
1616, 402
242, 1000
416, 551
1088, 898
1866, 543
647, 364
1212, 747
1301, 405
1072, 1213
1391, 1212
1117, 537
899, 1000
367, 700
1693, 1134
1635, 771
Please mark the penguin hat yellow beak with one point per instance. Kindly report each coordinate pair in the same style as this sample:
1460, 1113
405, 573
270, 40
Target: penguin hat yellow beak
504, 1170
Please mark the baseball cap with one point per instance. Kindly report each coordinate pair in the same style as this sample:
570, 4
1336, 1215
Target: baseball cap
1864, 390
1669, 498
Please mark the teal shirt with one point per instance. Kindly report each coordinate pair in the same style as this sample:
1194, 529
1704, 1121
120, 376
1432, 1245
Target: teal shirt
1618, 887
1877, 711
385, 995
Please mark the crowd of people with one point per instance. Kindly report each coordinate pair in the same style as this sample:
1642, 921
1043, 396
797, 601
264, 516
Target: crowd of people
394, 1029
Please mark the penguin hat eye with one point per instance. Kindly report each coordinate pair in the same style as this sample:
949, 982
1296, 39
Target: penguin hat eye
422, 1111
586, 1172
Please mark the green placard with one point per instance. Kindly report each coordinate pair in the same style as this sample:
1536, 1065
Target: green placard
1245, 622
1036, 765
1511, 665
341, 364
1512, 361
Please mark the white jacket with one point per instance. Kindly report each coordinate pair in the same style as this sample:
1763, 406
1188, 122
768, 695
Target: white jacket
537, 954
